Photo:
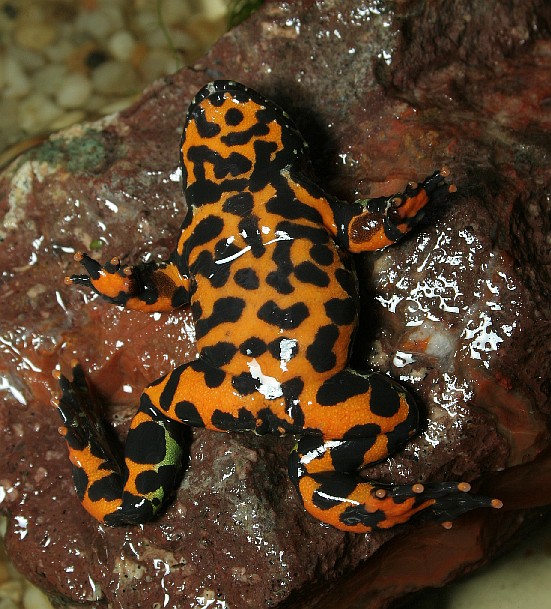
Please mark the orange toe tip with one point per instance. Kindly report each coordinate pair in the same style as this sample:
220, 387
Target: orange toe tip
445, 171
127, 270
497, 504
380, 493
464, 487
68, 281
452, 188
78, 256
448, 524
418, 488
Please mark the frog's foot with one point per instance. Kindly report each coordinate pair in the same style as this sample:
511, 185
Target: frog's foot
96, 472
112, 281
385, 220
406, 210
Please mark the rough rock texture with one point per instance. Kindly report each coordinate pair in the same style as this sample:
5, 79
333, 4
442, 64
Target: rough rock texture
384, 93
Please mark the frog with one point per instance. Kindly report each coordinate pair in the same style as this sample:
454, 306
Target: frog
264, 260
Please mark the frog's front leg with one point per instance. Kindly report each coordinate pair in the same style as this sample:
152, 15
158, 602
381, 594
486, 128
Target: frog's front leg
152, 286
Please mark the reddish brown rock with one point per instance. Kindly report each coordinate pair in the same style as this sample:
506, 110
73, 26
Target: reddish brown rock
459, 310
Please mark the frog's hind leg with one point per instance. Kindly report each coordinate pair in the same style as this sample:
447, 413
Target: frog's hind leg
113, 490
352, 503
326, 471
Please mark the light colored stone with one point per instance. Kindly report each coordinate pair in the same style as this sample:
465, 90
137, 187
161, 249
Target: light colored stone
100, 23
73, 91
59, 51
36, 113
33, 598
16, 82
159, 62
115, 78
175, 11
34, 35
30, 60
67, 119
121, 45
47, 79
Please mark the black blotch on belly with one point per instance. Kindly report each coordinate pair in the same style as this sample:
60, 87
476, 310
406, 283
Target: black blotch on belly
307, 272
225, 420
227, 309
286, 319
254, 347
240, 204
320, 352
247, 279
218, 355
341, 311
341, 387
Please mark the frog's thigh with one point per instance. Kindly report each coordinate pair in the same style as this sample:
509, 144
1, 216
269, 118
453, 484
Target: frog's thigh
197, 394
352, 404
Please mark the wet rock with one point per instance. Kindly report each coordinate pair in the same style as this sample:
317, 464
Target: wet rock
458, 311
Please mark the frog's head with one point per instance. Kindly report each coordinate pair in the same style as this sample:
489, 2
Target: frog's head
233, 139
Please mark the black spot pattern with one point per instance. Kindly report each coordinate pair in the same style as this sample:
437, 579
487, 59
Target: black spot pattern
247, 279
307, 272
186, 412
239, 138
286, 319
248, 228
218, 355
108, 488
385, 395
357, 514
349, 456
333, 489
320, 353
341, 311
322, 254
253, 347
227, 309
240, 204
244, 420
341, 387
244, 383
206, 230
233, 117
279, 279
213, 376
147, 443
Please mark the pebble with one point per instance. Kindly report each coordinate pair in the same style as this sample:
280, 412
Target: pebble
63, 61
121, 45
75, 89
35, 36
36, 112
48, 78
16, 82
159, 62
115, 77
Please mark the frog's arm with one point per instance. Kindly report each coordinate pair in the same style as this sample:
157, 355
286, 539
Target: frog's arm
370, 224
150, 286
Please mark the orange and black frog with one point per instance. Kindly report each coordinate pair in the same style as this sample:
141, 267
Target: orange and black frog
263, 261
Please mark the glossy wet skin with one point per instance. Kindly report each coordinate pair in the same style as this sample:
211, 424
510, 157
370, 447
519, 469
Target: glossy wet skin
262, 259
